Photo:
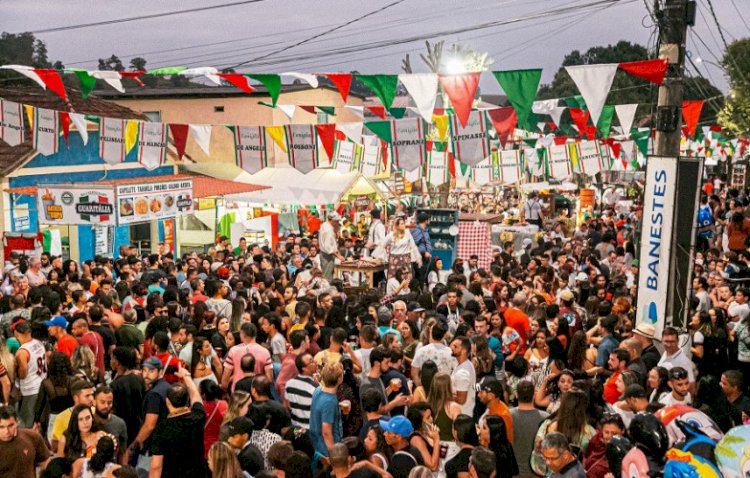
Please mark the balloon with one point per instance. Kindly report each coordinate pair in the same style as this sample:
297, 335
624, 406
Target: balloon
649, 434
668, 414
616, 449
682, 464
733, 452
635, 465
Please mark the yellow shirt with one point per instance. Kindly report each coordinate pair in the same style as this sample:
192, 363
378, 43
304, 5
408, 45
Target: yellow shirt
326, 356
61, 423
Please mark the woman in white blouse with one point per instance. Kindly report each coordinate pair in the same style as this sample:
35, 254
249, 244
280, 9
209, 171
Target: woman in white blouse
402, 250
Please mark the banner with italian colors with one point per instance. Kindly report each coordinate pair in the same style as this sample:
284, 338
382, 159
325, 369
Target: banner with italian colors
250, 148
408, 143
559, 161
112, 140
509, 166
302, 147
46, 131
152, 144
11, 122
471, 144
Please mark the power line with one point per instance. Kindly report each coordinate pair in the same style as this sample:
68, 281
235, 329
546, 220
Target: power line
740, 14
144, 17
716, 21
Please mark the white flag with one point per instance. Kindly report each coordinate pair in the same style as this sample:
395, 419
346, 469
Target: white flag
201, 133
311, 80
344, 156
301, 141
594, 83
437, 168
112, 140
408, 143
353, 131
288, 110
471, 143
11, 122
423, 89
81, 125
626, 115
590, 158
46, 131
509, 166
152, 144
112, 78
371, 163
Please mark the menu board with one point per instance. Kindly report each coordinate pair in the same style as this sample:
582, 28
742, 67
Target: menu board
146, 201
71, 205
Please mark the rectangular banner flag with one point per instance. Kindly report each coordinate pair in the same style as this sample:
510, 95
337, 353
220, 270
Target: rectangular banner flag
437, 167
485, 171
590, 158
250, 148
112, 140
408, 143
301, 142
559, 161
471, 144
46, 131
345, 155
534, 161
371, 161
11, 122
152, 144
509, 166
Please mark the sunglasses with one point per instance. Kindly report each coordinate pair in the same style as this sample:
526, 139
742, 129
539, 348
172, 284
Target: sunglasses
678, 375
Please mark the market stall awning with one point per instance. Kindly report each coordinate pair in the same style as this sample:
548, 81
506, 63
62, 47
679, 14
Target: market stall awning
203, 186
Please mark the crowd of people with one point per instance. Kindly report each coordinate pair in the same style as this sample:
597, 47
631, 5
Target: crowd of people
254, 361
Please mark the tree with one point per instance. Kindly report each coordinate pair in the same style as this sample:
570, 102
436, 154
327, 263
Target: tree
138, 63
113, 63
22, 49
735, 116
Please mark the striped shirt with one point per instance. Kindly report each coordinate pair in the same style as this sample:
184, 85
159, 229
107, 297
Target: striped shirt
299, 392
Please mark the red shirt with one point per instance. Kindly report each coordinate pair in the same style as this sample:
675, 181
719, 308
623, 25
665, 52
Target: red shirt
610, 388
517, 319
94, 341
66, 344
171, 364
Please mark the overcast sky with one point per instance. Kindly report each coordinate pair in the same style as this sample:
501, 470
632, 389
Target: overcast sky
227, 36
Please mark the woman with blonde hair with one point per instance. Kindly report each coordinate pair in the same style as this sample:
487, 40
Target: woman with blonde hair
239, 403
222, 462
445, 410
84, 366
7, 371
402, 249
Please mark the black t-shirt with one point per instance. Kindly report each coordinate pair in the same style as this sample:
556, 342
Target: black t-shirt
155, 402
369, 424
363, 472
244, 385
108, 337
180, 441
457, 464
128, 392
403, 461
251, 459
129, 336
278, 417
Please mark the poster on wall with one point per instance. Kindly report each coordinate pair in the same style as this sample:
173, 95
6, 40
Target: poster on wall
147, 201
71, 205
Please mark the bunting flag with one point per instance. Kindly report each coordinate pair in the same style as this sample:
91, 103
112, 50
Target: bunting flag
131, 135
238, 80
559, 162
461, 90
471, 143
423, 90
81, 125
26, 71
604, 125
327, 138
484, 172
288, 110
278, 135
590, 158
308, 78
250, 148
152, 144
179, 137
504, 120
594, 83
133, 75
353, 131
556, 114
384, 87
534, 161
580, 118
112, 78
46, 131
302, 141
345, 154
437, 167
53, 81
357, 110
649, 70
520, 87
11, 122
544, 107
342, 82
88, 82
626, 115
212, 74
377, 110
65, 126
201, 134
509, 166
112, 140
371, 162
272, 83
691, 112
408, 143
441, 123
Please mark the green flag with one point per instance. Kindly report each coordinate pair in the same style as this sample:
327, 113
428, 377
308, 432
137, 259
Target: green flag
530, 141
398, 113
384, 86
520, 87
329, 110
381, 129
575, 102
88, 82
531, 122
642, 145
604, 125
272, 82
169, 70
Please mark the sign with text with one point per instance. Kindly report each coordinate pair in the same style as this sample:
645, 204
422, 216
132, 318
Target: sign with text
147, 201
656, 241
71, 205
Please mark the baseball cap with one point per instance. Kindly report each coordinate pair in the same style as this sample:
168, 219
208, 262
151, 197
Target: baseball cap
492, 385
567, 295
238, 426
400, 425
334, 216
223, 272
57, 321
581, 277
634, 390
153, 363
414, 307
635, 263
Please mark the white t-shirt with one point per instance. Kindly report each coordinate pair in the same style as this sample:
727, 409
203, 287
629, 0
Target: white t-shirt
438, 353
677, 360
464, 379
741, 311
667, 399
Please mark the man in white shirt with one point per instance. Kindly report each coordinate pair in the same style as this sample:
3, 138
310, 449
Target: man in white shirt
464, 377
376, 242
678, 382
738, 308
436, 351
674, 357
328, 243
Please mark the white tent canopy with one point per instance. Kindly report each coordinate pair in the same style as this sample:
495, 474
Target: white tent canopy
289, 186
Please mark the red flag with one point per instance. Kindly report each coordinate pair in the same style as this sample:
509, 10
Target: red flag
691, 111
579, 118
590, 131
616, 147
649, 70
438, 112
552, 125
504, 120
65, 124
461, 90
237, 79
343, 82
327, 135
52, 80
134, 75
377, 110
309, 109
560, 140
179, 136
715, 128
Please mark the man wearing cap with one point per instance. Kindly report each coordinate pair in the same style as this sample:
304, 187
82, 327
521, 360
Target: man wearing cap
397, 432
650, 355
237, 434
567, 299
56, 328
154, 406
490, 392
329, 247
637, 400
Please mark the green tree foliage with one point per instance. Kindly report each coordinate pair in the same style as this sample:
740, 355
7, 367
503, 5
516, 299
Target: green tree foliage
735, 116
22, 49
113, 63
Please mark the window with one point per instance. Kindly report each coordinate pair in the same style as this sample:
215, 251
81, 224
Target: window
218, 109
322, 117
153, 115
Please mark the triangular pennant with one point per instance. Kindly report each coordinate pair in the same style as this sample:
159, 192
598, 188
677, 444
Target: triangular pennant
79, 121
88, 82
207, 71
520, 87
544, 107
237, 79
691, 112
342, 82
353, 131
308, 108
649, 70
329, 110
112, 78
133, 75
398, 113
201, 134
556, 114
604, 125
272, 82
560, 140
65, 126
288, 110
626, 115
590, 131
357, 110
168, 70
594, 83
461, 90
26, 71
131, 135
504, 121
52, 80
579, 118
422, 88
441, 123
278, 135
381, 129
311, 80
384, 87
540, 126
179, 137
327, 136
377, 110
